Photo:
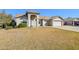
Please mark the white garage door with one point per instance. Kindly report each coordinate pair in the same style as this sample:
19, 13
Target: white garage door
56, 23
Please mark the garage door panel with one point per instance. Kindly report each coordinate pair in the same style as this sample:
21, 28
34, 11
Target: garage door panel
56, 23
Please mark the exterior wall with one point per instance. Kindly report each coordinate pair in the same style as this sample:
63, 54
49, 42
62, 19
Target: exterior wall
44, 23
20, 20
38, 24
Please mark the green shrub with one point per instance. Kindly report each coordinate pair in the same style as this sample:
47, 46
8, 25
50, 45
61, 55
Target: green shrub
13, 24
23, 24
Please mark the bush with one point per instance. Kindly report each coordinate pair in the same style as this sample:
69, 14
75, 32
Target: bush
23, 24
4, 25
13, 24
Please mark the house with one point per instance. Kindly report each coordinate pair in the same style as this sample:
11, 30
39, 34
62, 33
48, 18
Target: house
33, 19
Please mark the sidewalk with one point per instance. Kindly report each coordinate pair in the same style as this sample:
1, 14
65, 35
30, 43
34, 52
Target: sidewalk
70, 28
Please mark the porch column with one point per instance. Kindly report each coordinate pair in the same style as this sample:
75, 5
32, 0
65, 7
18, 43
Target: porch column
37, 23
43, 23
29, 25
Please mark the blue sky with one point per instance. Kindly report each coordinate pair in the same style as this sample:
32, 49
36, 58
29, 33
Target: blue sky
47, 12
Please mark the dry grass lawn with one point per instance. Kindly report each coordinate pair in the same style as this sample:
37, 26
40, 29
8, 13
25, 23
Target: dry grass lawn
38, 39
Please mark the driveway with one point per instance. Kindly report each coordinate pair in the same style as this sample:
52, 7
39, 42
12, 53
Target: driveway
70, 28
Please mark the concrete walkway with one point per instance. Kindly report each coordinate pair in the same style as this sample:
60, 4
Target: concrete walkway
70, 28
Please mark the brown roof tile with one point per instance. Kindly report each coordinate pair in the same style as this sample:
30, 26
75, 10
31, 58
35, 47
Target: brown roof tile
1, 14
54, 17
44, 17
18, 15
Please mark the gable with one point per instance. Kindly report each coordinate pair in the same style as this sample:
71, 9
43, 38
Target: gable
56, 18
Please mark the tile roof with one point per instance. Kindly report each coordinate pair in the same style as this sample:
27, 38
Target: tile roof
44, 17
54, 17
18, 15
1, 14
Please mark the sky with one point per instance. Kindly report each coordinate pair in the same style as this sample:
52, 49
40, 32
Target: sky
46, 12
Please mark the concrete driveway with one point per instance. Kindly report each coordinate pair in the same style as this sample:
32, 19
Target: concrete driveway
70, 28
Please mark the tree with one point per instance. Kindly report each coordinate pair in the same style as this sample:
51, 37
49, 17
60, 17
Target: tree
5, 20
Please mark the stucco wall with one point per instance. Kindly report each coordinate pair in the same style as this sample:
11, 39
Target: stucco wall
19, 20
44, 23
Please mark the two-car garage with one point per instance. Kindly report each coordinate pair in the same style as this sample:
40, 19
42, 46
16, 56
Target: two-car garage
57, 23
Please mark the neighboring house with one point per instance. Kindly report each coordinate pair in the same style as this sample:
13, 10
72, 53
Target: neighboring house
34, 19
71, 21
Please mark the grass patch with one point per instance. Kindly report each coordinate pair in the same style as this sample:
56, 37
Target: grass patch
39, 39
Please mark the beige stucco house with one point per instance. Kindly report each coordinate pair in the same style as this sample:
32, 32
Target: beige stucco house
34, 19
